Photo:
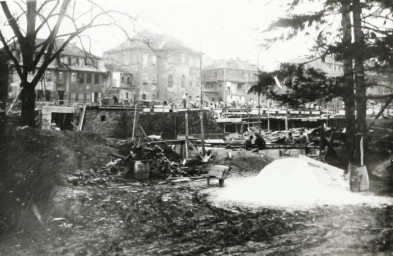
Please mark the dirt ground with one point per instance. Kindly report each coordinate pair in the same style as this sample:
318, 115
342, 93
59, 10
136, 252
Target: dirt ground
124, 217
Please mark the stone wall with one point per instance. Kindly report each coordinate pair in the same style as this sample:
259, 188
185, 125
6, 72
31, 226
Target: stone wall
118, 123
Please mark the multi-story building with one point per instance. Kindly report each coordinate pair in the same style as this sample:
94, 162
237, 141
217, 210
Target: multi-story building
120, 86
163, 68
229, 81
74, 77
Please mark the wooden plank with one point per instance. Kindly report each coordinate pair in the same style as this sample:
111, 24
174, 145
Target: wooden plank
80, 125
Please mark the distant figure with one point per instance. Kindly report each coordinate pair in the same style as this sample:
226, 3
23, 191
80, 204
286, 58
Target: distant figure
303, 138
185, 98
260, 143
289, 139
249, 143
115, 100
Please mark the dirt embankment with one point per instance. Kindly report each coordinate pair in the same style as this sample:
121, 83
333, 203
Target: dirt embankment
33, 162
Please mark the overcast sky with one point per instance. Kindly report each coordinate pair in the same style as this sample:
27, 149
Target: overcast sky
224, 28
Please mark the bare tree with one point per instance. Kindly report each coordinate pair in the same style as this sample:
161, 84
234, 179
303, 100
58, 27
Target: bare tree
57, 22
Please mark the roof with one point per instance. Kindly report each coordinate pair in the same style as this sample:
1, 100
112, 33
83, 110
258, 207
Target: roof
232, 64
155, 41
327, 60
122, 69
71, 49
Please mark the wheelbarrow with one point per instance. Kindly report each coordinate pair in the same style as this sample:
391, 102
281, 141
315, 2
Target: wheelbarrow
219, 172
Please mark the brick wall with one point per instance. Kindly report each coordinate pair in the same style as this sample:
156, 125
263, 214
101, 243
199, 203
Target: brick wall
118, 123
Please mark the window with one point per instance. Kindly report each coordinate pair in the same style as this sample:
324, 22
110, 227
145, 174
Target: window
61, 60
123, 79
213, 99
103, 118
220, 85
128, 80
145, 57
81, 61
240, 86
144, 78
88, 80
72, 97
73, 78
48, 76
73, 60
81, 77
212, 75
219, 74
190, 83
183, 58
183, 80
143, 96
61, 77
170, 81
88, 98
126, 60
40, 95
154, 60
96, 78
154, 79
126, 95
47, 95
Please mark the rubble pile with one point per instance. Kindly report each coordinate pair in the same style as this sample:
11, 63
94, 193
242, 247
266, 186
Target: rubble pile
278, 137
163, 163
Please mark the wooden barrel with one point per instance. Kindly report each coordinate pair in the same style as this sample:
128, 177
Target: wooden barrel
141, 170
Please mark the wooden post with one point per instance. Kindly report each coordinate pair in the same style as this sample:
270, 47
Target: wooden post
186, 139
80, 125
135, 122
321, 141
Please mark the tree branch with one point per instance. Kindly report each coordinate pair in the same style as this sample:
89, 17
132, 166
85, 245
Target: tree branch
9, 53
48, 16
12, 21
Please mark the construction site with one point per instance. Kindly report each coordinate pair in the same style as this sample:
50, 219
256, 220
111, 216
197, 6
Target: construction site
177, 127
166, 188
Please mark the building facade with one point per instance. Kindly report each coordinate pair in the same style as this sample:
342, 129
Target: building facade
120, 87
229, 81
331, 68
74, 77
163, 68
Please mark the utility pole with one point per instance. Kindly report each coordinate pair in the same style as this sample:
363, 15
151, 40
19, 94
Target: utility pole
136, 116
225, 87
200, 78
186, 136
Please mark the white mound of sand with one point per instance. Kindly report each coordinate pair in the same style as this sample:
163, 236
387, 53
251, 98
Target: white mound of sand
293, 182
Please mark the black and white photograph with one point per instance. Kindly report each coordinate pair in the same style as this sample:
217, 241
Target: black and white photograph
196, 127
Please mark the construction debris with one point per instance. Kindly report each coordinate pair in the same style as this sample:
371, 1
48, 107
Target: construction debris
161, 161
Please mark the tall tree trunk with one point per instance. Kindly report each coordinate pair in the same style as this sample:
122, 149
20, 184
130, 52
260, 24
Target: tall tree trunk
361, 100
3, 95
259, 110
349, 98
28, 104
